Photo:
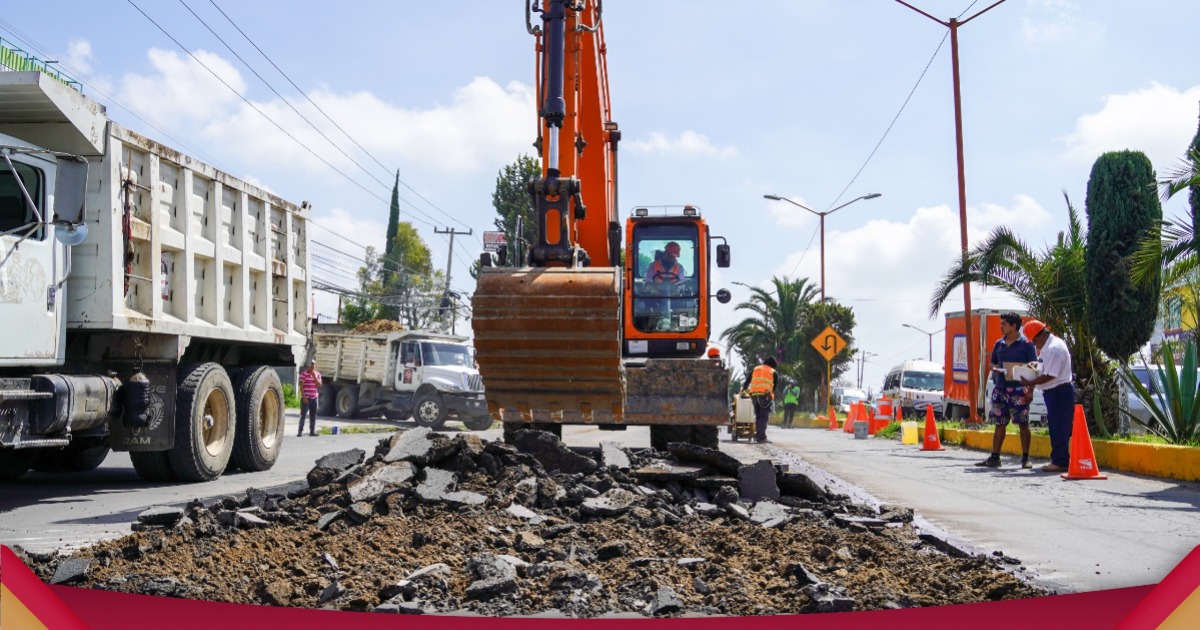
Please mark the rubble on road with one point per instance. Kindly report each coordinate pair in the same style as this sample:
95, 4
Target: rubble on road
429, 524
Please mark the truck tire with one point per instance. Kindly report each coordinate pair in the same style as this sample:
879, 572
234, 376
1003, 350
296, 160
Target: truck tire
81, 455
205, 423
327, 399
14, 462
152, 465
347, 402
429, 410
478, 423
259, 434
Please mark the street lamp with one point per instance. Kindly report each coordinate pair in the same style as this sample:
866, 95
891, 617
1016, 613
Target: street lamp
822, 215
931, 334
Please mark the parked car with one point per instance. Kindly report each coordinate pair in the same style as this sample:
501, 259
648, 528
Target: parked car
1148, 376
849, 397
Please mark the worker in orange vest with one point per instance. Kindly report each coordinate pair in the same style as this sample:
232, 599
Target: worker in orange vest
760, 384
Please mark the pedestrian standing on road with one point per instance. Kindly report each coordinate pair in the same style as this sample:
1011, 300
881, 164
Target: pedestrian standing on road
760, 384
791, 399
1010, 399
310, 388
1055, 382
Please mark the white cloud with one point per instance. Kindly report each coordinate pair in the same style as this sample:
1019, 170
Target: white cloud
181, 90
686, 143
1158, 120
79, 55
1050, 21
331, 266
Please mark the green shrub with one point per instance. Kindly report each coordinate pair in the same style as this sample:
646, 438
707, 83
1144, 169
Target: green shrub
890, 432
291, 399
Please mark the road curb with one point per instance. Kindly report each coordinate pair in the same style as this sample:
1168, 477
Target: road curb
1156, 460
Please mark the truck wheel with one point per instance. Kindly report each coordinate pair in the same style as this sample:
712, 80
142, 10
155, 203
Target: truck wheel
152, 465
327, 399
347, 402
81, 455
478, 423
663, 434
14, 462
205, 424
259, 433
429, 410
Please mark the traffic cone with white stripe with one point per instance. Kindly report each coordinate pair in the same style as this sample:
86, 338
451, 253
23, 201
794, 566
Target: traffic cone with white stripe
931, 442
833, 421
1083, 458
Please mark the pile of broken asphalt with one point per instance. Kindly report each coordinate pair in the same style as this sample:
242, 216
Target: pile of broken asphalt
431, 524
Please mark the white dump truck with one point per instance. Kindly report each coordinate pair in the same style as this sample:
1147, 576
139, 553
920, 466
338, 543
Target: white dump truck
145, 297
426, 375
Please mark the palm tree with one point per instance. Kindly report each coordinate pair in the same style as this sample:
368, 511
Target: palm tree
776, 314
1050, 284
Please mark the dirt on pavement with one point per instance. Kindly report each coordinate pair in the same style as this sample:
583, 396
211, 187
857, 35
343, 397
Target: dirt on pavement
430, 524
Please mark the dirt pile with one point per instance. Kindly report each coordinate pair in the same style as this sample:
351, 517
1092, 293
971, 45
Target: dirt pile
429, 524
378, 326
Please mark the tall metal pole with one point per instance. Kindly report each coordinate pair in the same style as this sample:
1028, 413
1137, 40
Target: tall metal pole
972, 360
823, 265
449, 259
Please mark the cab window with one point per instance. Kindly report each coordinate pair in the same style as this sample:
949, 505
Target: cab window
665, 281
15, 211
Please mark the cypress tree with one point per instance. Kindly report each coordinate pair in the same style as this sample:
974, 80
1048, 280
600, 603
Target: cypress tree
1122, 203
393, 219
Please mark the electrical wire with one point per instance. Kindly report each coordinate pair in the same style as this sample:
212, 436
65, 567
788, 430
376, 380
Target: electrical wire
330, 119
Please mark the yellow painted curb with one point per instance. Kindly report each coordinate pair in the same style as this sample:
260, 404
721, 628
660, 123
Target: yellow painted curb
1157, 460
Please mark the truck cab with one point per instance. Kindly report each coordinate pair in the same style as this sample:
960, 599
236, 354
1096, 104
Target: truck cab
440, 380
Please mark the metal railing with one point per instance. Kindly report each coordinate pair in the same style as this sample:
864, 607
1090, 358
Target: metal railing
18, 60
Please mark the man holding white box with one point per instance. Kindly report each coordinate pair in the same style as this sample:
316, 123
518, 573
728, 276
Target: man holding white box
1055, 383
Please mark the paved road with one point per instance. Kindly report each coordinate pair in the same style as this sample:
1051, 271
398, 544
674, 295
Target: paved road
1127, 531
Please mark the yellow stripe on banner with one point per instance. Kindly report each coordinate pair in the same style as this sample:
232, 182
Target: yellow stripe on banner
1186, 615
14, 614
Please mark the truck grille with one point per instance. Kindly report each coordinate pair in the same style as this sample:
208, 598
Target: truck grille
475, 382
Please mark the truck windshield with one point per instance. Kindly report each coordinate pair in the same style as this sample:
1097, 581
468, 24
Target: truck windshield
923, 380
447, 354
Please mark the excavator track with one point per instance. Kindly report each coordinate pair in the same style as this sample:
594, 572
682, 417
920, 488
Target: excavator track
548, 343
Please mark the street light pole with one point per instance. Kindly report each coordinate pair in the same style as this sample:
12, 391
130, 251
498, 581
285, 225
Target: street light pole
822, 215
953, 25
931, 334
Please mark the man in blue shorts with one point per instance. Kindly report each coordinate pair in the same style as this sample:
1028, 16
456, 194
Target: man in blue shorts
1010, 399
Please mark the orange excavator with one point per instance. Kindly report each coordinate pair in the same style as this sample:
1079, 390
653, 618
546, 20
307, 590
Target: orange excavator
587, 330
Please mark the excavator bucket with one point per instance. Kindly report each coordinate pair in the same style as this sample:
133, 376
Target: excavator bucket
683, 391
548, 343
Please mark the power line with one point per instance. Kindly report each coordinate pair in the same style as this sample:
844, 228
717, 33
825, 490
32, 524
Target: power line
262, 113
894, 118
330, 119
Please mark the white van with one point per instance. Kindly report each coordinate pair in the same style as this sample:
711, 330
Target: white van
917, 385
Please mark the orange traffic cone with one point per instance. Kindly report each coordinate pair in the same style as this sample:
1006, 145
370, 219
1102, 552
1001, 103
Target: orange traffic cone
1083, 459
872, 424
848, 427
931, 442
833, 423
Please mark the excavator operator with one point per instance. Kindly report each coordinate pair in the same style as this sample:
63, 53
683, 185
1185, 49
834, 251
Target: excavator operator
666, 268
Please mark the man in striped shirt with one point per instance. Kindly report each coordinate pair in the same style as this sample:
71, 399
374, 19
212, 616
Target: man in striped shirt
310, 387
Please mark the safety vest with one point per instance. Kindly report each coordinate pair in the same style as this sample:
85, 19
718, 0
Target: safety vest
659, 273
762, 381
791, 395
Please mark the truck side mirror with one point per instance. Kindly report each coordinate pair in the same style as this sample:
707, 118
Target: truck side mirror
723, 296
69, 188
722, 255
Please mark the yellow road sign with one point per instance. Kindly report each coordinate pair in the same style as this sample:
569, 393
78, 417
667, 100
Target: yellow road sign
829, 343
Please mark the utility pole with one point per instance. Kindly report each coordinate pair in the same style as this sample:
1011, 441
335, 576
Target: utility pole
862, 361
450, 259
953, 24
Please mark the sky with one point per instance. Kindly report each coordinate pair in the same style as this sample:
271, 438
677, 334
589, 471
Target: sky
819, 101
